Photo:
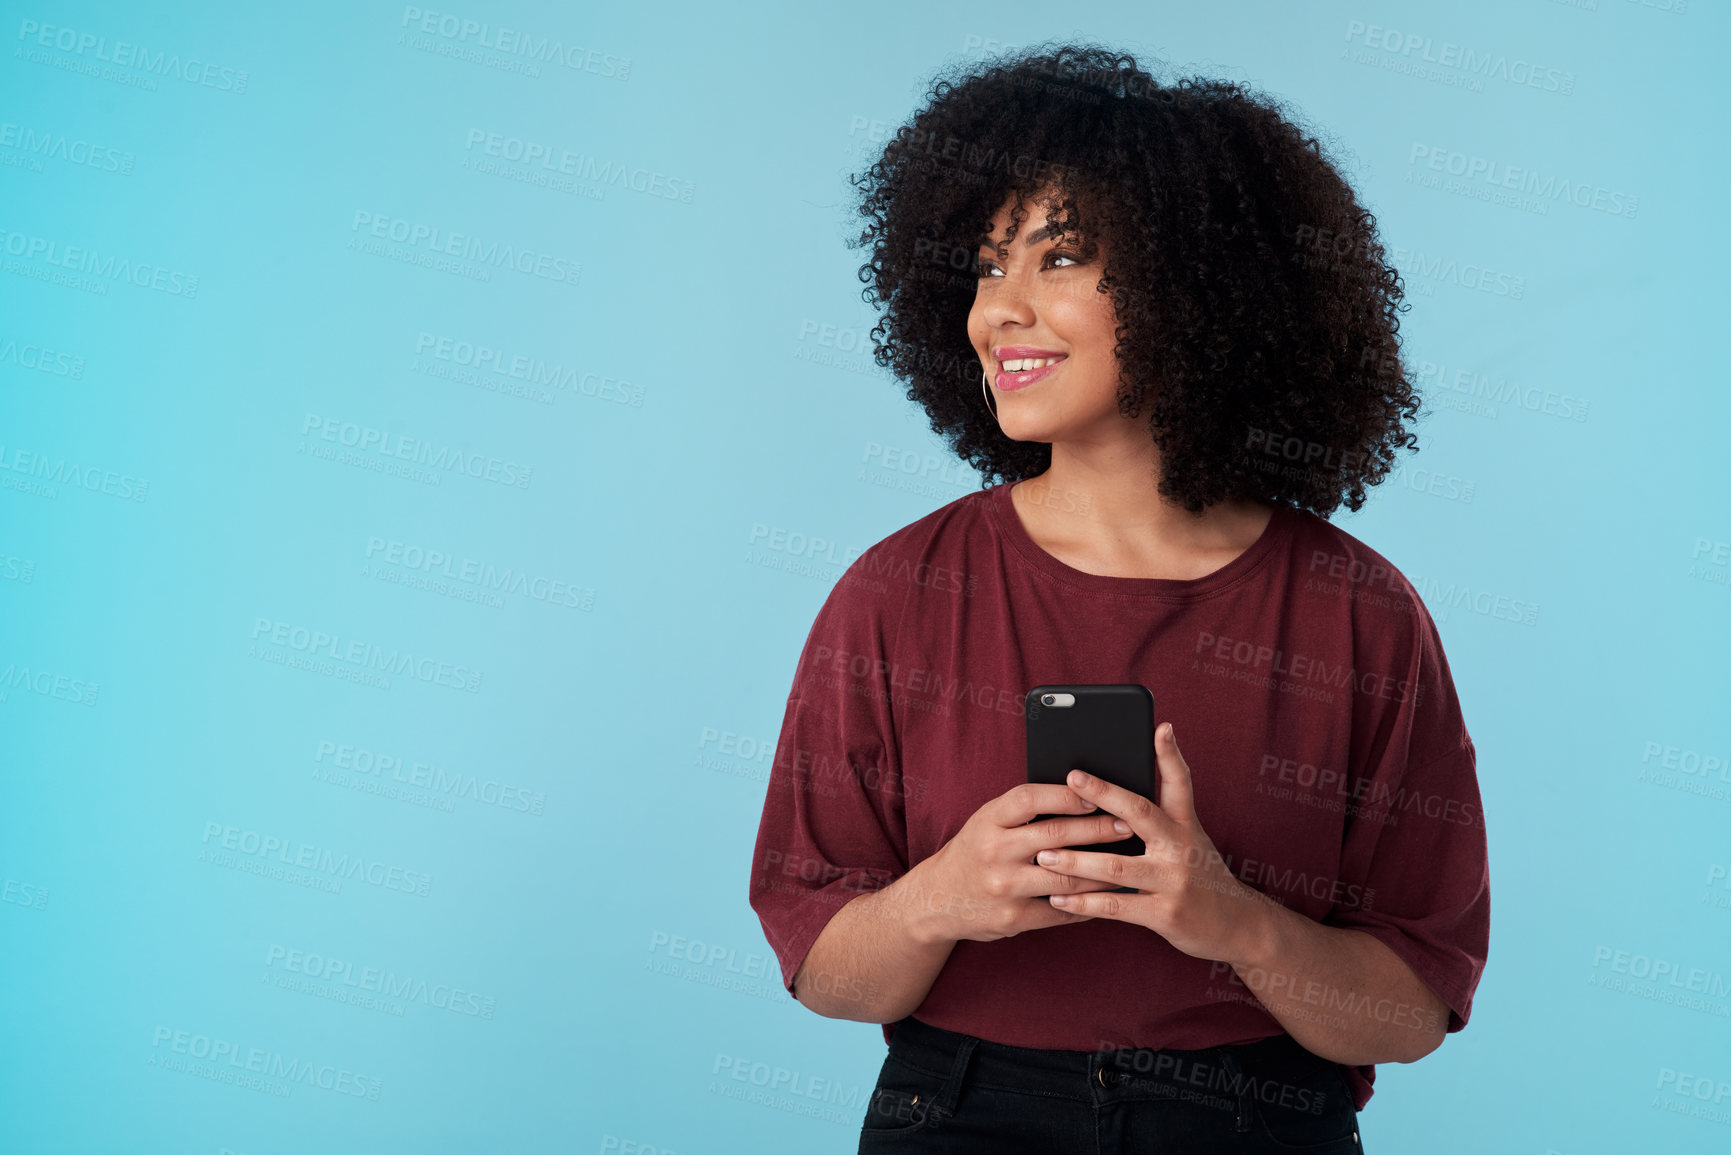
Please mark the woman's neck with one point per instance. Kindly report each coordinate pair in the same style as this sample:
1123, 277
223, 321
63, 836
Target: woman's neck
1118, 525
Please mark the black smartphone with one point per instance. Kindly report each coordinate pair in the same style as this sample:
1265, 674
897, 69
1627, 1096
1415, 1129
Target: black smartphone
1105, 729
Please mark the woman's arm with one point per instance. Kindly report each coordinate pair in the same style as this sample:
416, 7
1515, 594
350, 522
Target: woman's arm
1342, 993
876, 958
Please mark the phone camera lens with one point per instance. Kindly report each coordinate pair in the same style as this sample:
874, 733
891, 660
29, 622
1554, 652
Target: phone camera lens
1047, 699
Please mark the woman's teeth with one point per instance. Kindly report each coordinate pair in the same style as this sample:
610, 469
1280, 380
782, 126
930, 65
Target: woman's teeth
1026, 363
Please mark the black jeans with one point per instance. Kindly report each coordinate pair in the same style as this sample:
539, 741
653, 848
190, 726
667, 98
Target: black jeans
943, 1091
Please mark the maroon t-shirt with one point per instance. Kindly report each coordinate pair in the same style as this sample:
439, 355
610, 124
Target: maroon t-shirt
1309, 692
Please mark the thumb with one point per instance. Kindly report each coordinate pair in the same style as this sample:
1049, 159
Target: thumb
1176, 798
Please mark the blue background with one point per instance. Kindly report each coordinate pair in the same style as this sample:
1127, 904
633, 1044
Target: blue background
710, 444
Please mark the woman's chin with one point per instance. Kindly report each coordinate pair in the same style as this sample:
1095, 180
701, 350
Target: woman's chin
1024, 429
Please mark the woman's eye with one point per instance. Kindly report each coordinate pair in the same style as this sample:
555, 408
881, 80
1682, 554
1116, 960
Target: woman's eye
984, 268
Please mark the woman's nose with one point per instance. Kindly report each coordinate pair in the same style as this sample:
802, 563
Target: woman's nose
1009, 301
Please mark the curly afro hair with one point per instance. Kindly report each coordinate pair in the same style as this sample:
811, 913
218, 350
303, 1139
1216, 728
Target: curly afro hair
1256, 316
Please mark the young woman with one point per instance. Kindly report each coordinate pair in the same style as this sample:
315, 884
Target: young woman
1157, 321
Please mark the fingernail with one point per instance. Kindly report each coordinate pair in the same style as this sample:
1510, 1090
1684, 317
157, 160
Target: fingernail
1121, 826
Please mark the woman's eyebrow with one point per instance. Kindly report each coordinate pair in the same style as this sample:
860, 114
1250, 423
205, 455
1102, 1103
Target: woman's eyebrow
1033, 238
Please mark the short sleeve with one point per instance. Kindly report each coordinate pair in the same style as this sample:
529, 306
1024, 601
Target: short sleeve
834, 824
1415, 832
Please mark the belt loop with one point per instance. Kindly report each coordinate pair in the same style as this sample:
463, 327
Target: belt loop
958, 1075
1240, 1084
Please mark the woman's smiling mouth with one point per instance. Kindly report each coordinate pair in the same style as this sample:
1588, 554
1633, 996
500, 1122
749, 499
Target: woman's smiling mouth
1024, 367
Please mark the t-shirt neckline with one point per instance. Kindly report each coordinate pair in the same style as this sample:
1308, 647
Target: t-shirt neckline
1274, 535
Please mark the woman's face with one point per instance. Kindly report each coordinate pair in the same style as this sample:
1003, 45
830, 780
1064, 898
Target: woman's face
1037, 300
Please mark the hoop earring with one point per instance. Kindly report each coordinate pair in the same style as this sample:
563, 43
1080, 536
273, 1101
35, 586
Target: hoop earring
986, 389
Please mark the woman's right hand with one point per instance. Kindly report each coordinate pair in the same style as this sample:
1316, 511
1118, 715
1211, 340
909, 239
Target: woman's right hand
983, 884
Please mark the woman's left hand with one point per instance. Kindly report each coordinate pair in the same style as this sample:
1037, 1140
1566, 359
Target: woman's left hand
1185, 892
